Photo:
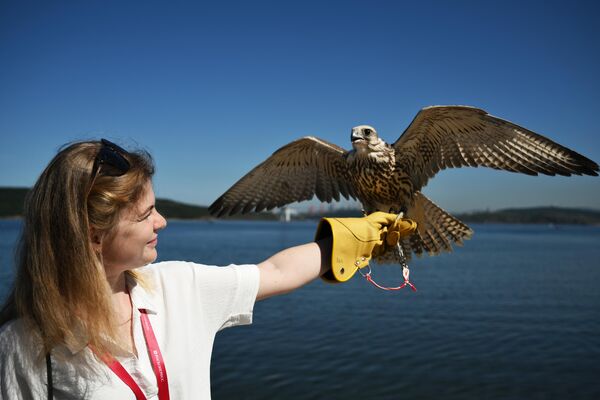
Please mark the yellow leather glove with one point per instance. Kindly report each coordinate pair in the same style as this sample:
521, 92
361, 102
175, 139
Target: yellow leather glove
356, 240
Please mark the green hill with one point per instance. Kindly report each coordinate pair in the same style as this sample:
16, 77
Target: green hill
12, 199
536, 215
533, 215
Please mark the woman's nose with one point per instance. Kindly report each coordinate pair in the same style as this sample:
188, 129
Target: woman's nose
160, 223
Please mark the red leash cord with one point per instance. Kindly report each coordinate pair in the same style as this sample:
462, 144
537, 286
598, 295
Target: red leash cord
405, 271
405, 274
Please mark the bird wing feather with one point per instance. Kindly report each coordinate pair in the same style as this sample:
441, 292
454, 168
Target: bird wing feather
297, 171
457, 136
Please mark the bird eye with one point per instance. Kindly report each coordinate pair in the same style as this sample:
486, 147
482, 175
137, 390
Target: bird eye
368, 131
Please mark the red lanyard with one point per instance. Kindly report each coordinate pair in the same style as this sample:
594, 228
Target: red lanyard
158, 365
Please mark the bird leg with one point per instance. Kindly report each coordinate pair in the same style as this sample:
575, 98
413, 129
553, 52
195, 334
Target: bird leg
405, 270
403, 264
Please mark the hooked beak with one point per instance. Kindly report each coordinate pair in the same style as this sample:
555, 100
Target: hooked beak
356, 137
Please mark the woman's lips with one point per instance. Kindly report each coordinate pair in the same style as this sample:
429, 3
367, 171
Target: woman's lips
153, 242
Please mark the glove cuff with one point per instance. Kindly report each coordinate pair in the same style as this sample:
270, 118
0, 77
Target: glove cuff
350, 249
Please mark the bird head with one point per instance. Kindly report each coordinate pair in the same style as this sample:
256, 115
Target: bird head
364, 137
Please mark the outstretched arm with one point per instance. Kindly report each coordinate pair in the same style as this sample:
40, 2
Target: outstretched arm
351, 242
294, 267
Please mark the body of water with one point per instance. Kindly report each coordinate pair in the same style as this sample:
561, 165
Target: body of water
514, 314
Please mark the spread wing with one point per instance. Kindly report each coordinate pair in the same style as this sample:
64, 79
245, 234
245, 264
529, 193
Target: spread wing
456, 136
299, 170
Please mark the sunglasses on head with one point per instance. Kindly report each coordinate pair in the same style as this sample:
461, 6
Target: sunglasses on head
111, 160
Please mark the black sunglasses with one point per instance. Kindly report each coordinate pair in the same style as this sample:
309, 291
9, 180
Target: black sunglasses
111, 158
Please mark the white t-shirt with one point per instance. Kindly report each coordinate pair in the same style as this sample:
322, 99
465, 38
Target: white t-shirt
187, 304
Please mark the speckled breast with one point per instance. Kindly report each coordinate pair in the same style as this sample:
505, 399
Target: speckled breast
378, 184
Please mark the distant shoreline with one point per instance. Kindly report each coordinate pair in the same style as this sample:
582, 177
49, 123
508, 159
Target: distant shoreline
12, 200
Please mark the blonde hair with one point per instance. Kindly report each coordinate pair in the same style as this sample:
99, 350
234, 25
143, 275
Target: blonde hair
61, 285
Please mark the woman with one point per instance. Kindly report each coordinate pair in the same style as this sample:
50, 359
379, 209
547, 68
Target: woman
107, 322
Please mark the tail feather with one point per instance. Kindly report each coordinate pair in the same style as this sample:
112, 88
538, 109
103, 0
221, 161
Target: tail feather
436, 231
433, 221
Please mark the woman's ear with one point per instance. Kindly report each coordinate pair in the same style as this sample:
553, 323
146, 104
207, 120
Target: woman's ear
96, 240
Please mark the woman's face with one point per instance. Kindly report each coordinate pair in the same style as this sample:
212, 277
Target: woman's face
133, 242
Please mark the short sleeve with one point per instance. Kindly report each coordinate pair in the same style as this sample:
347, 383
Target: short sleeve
244, 295
219, 296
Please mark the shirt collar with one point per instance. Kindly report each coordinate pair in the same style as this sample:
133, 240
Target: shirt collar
140, 297
78, 341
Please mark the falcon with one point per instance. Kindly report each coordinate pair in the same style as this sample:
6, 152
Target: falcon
390, 178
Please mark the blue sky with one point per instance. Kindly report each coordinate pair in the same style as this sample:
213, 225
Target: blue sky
212, 89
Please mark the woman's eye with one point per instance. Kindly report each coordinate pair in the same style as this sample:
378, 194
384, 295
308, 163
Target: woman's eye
145, 217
